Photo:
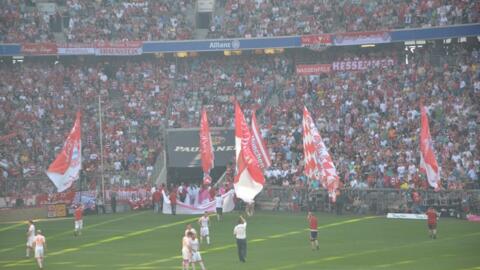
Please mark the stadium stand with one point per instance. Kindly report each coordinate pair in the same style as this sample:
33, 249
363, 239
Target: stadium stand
91, 21
368, 119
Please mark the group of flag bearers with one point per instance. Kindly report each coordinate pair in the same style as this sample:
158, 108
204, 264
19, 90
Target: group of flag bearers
252, 158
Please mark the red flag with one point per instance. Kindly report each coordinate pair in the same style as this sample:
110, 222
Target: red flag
206, 148
318, 162
428, 162
258, 145
249, 179
65, 169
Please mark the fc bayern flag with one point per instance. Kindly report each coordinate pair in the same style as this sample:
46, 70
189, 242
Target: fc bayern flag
249, 179
258, 145
206, 148
318, 162
428, 162
65, 169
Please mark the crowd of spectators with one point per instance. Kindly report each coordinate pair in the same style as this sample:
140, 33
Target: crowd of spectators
215, 83
109, 20
91, 21
262, 18
370, 121
37, 110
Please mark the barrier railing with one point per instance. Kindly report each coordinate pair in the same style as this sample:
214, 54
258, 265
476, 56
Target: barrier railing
372, 201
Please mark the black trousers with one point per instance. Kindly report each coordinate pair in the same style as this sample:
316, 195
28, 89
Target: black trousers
242, 249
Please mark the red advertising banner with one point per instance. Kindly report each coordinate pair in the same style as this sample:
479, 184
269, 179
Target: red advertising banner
324, 39
39, 48
119, 48
76, 48
362, 64
359, 38
314, 69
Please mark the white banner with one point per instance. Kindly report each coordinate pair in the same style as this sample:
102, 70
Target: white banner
188, 209
406, 216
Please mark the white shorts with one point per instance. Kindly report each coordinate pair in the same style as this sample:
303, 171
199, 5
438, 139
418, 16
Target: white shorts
30, 241
38, 252
196, 256
186, 254
204, 231
79, 224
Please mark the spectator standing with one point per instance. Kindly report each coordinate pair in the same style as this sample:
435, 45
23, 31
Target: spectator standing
173, 201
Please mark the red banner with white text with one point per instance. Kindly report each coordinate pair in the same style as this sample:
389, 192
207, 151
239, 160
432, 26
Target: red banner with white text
39, 48
314, 69
323, 39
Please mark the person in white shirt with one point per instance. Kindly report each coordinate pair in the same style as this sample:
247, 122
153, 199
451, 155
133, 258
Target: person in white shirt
40, 246
204, 231
219, 205
186, 252
240, 232
195, 251
30, 237
190, 229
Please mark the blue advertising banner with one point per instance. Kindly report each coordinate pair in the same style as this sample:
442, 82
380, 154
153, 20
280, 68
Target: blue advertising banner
454, 31
221, 44
341, 39
9, 49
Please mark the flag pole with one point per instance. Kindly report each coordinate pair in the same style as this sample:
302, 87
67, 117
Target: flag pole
101, 145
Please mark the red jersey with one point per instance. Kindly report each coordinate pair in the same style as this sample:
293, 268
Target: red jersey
157, 196
173, 197
431, 217
313, 222
78, 213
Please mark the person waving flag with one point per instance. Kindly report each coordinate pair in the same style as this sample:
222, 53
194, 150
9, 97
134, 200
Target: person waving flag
428, 162
65, 169
249, 179
206, 148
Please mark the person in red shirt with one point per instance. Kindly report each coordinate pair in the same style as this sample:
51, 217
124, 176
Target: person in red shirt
432, 217
173, 201
156, 200
78, 220
313, 224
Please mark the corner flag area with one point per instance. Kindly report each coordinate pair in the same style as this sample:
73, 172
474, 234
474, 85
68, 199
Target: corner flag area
144, 240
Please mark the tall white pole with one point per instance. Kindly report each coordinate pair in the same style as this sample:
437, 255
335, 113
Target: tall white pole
101, 145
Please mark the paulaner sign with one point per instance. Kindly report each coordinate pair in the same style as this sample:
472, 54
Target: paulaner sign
183, 149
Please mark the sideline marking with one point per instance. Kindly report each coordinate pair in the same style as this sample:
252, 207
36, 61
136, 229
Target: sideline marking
13, 226
275, 236
107, 240
70, 231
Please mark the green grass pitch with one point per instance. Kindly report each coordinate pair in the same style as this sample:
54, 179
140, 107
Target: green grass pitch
144, 240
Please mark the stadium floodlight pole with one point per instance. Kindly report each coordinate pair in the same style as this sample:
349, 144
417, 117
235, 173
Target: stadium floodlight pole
101, 144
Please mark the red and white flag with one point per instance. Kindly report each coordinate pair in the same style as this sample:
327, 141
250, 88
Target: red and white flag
249, 179
318, 162
428, 162
258, 145
65, 169
206, 148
